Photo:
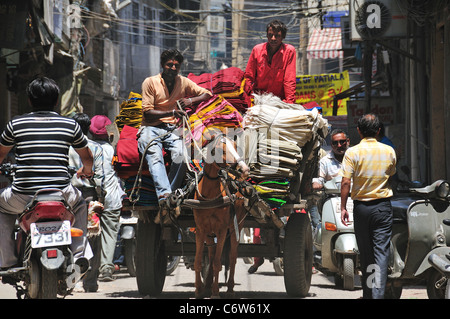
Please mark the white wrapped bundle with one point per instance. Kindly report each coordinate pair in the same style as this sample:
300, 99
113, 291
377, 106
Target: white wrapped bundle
289, 122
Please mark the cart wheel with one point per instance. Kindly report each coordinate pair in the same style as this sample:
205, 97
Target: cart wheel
298, 255
151, 259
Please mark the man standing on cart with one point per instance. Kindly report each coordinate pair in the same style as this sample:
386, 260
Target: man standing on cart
160, 94
271, 68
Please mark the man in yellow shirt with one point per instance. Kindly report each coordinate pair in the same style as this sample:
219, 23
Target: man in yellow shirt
369, 165
160, 94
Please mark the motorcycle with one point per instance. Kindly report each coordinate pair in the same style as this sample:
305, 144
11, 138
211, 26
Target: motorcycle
127, 240
43, 237
336, 250
420, 240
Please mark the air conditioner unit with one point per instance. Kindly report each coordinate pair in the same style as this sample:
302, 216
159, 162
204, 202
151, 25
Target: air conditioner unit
377, 19
215, 24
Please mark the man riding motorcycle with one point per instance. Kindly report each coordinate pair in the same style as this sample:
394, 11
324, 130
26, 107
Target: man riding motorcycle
42, 139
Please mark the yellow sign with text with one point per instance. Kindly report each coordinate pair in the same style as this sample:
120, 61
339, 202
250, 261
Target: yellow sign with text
321, 88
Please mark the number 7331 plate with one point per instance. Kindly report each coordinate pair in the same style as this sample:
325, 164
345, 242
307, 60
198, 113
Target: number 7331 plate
55, 233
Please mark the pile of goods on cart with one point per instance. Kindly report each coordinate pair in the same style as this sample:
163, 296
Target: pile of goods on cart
279, 141
271, 136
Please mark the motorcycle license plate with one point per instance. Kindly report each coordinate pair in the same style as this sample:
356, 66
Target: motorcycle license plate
128, 220
47, 234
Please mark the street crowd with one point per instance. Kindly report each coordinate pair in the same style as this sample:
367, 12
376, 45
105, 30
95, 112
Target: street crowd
46, 143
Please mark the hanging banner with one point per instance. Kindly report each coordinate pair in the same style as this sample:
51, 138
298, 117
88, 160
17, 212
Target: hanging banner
321, 88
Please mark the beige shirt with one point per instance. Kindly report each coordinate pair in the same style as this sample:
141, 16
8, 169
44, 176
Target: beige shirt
155, 96
369, 164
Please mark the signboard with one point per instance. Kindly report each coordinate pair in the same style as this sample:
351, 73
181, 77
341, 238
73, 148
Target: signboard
321, 88
383, 107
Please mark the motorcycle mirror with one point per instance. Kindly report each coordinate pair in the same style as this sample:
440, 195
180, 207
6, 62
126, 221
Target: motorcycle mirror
443, 189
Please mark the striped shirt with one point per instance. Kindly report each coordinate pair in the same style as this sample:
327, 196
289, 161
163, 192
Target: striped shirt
369, 164
42, 141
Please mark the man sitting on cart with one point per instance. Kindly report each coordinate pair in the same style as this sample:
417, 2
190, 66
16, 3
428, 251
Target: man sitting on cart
160, 94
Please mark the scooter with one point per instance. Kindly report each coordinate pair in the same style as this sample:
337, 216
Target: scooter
46, 263
336, 251
126, 244
420, 240
127, 240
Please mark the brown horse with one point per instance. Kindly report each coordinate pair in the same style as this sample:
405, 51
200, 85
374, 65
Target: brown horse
215, 225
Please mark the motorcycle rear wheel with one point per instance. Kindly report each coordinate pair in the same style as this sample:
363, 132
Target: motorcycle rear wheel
49, 284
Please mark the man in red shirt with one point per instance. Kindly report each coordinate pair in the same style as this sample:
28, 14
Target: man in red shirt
271, 68
272, 65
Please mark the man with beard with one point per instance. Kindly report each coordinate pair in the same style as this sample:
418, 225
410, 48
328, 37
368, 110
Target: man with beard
271, 66
160, 94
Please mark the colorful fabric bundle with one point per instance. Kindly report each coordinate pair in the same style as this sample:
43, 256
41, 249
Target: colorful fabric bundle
130, 112
240, 98
226, 80
228, 83
95, 209
273, 192
216, 113
127, 159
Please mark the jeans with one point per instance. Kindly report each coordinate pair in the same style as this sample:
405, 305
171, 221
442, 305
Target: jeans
173, 143
373, 230
315, 216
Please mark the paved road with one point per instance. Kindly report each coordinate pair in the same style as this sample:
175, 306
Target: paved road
264, 284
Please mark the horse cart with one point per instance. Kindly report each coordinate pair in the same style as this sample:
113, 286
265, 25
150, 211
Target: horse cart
281, 150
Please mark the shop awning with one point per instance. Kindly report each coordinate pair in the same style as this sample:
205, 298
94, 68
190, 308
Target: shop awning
325, 44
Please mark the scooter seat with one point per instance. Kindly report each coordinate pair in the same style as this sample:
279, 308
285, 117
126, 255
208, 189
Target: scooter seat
399, 215
400, 205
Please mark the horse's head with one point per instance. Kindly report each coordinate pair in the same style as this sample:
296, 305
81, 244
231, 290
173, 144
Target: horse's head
221, 151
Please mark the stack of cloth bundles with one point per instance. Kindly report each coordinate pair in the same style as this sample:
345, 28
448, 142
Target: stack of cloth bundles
130, 112
274, 192
228, 83
289, 122
215, 113
274, 134
146, 193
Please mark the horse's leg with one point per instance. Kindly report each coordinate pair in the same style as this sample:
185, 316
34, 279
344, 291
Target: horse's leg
208, 273
199, 245
217, 262
232, 260
234, 243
